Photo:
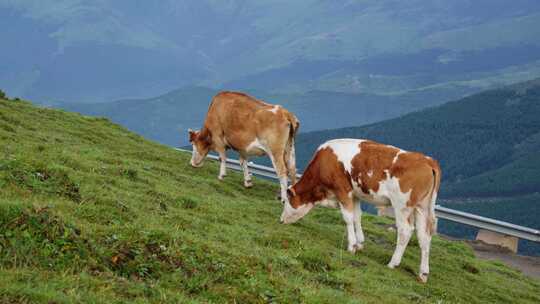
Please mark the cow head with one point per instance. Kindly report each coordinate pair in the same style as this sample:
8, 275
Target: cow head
200, 142
294, 208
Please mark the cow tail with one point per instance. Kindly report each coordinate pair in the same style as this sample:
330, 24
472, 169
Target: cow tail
432, 220
290, 157
294, 126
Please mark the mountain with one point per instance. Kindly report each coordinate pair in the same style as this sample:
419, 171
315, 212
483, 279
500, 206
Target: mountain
80, 51
167, 117
92, 213
488, 145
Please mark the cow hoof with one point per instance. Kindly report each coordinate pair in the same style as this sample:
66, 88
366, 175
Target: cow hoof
352, 249
359, 246
422, 278
248, 184
391, 265
221, 177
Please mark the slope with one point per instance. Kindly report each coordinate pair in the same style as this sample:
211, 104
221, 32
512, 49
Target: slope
90, 212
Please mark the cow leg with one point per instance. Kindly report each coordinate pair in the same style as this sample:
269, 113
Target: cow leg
347, 211
247, 175
358, 226
281, 170
404, 232
424, 240
223, 164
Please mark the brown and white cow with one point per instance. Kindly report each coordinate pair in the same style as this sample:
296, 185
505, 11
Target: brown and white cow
252, 128
344, 172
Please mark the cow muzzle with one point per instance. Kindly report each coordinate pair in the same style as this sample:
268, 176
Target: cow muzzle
196, 165
196, 159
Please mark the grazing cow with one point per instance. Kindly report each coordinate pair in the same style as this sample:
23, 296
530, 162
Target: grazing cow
252, 128
345, 171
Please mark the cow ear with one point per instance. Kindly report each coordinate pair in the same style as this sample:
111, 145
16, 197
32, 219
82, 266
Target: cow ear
192, 134
291, 192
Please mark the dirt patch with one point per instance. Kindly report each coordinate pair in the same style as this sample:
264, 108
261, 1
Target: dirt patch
528, 265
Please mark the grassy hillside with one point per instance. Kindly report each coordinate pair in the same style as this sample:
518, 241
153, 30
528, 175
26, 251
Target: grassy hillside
164, 118
90, 212
488, 144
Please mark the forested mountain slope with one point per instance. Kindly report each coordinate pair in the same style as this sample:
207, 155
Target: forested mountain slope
488, 144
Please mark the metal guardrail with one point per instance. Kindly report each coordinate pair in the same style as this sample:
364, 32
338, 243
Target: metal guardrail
487, 223
234, 164
461, 217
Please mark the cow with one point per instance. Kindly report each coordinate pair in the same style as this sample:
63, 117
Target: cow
344, 172
252, 128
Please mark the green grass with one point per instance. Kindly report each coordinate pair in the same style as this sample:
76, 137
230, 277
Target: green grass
92, 213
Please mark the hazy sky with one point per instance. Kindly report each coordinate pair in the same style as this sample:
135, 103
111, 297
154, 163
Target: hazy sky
102, 50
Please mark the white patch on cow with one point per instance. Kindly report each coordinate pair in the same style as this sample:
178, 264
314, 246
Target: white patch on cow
222, 167
283, 187
356, 183
389, 193
397, 155
291, 215
348, 217
390, 189
196, 157
370, 173
345, 149
424, 241
358, 225
256, 148
247, 175
194, 152
328, 202
274, 109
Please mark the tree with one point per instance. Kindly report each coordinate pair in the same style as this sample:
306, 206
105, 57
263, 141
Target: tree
3, 95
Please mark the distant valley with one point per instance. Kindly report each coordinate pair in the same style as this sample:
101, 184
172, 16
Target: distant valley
167, 117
